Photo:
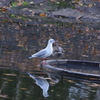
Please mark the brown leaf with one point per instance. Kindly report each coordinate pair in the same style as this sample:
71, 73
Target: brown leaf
23, 88
90, 5
3, 96
43, 15
80, 31
85, 55
86, 47
52, 0
9, 74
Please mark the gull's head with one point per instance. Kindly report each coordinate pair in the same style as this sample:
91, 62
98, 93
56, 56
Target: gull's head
45, 94
51, 41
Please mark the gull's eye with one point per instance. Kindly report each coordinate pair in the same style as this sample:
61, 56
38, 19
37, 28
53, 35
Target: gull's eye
52, 41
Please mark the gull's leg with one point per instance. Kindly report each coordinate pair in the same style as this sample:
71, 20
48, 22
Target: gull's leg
44, 61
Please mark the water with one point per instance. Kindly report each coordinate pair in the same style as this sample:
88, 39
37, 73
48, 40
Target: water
18, 86
18, 41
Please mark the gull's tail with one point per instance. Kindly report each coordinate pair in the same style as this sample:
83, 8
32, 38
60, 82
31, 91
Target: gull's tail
30, 57
32, 76
28, 73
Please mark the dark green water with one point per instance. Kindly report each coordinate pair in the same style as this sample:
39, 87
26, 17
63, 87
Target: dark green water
17, 86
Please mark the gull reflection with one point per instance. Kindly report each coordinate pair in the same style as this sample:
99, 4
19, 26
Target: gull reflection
54, 79
42, 83
98, 94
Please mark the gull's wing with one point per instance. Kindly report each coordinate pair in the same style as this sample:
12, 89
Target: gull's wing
61, 49
40, 53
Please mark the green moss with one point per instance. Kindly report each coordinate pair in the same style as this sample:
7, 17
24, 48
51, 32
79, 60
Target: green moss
25, 3
13, 4
12, 15
62, 3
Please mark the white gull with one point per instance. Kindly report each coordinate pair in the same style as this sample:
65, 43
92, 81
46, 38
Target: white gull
45, 52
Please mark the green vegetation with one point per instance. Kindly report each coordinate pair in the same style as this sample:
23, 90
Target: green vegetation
12, 15
13, 4
25, 3
62, 3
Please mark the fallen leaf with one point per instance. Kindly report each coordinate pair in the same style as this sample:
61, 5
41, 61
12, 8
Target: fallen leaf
52, 0
9, 74
3, 96
10, 80
85, 55
43, 15
18, 4
90, 5
79, 17
23, 88
31, 2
